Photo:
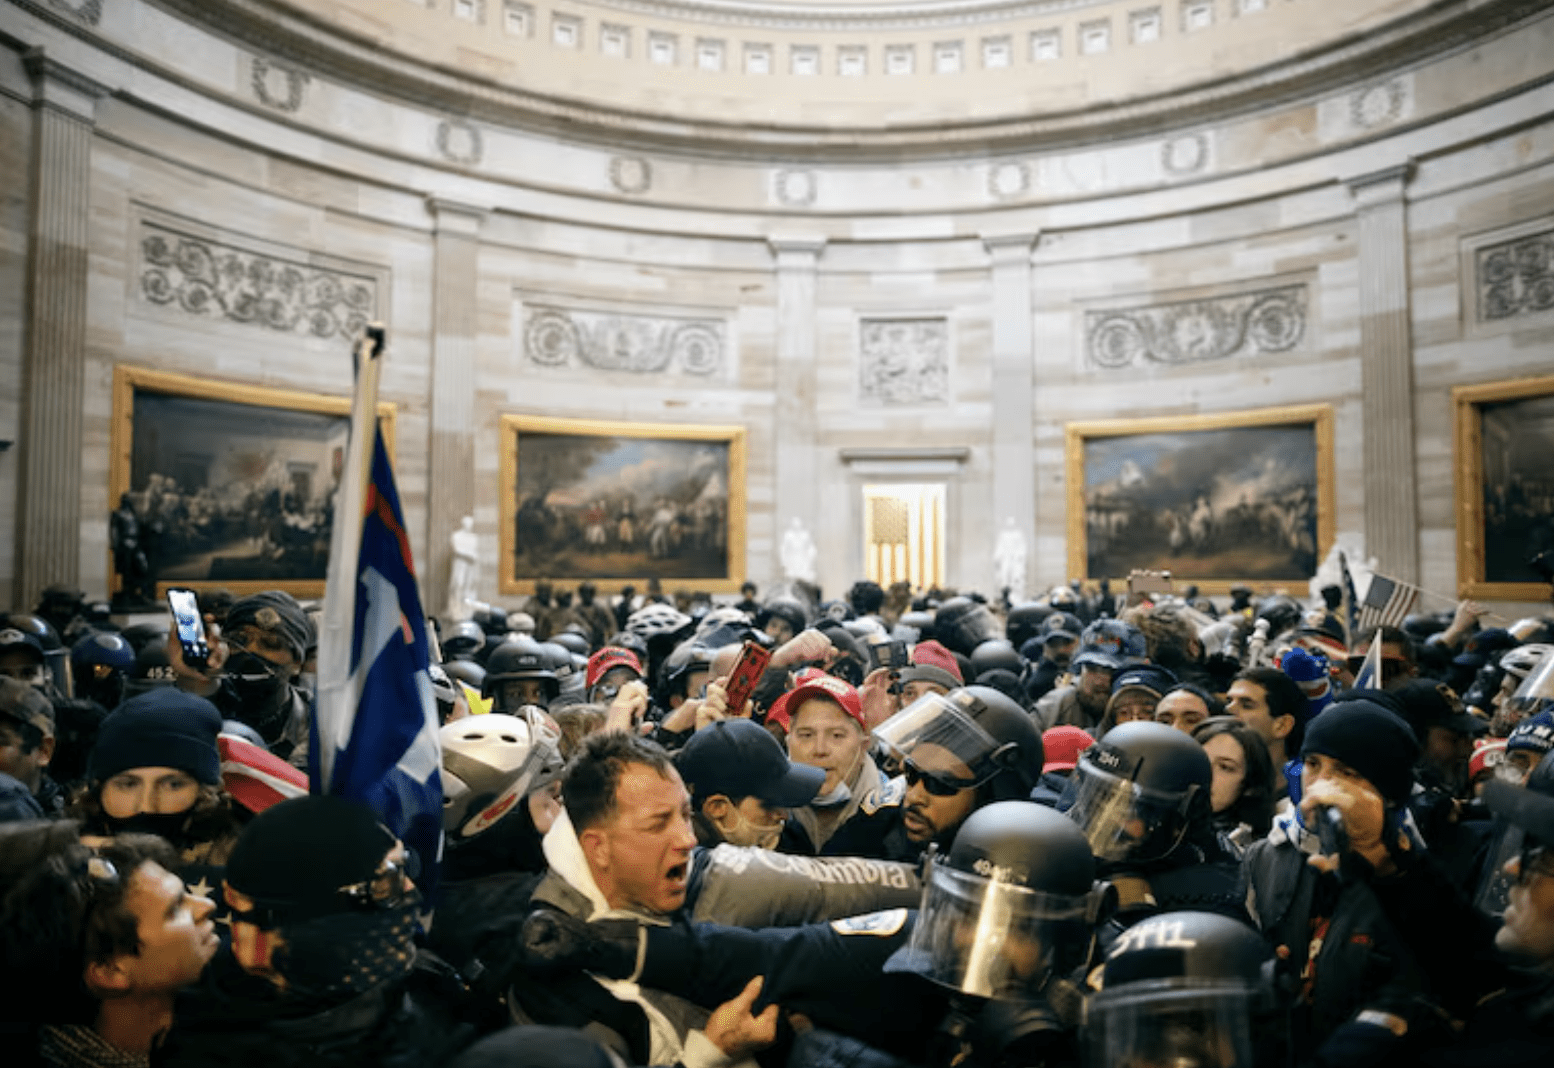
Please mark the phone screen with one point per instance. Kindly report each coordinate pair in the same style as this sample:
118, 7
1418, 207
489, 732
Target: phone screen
191, 628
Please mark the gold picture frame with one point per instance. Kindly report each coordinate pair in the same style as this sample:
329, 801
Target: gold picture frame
1157, 492
1491, 555
616, 503
208, 449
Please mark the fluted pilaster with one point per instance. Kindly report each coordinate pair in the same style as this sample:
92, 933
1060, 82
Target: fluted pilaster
1014, 468
454, 332
49, 520
1387, 378
795, 461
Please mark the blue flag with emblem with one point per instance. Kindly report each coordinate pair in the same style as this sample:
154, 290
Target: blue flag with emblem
374, 734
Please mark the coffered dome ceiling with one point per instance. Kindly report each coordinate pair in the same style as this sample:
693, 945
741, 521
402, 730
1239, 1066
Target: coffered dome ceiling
868, 77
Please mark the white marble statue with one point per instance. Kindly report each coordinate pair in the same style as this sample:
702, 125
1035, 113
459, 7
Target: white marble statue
1009, 561
461, 577
798, 553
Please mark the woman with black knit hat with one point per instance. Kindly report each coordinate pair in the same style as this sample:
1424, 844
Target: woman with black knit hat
156, 770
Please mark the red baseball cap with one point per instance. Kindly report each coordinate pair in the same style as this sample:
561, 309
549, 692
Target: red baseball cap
1487, 755
1062, 746
831, 689
611, 656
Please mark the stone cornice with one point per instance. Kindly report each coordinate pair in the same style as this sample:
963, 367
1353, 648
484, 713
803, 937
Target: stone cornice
334, 53
909, 15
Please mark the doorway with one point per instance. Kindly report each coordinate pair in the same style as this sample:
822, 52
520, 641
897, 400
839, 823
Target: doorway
903, 533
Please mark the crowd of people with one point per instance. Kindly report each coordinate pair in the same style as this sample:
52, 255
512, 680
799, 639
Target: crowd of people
889, 829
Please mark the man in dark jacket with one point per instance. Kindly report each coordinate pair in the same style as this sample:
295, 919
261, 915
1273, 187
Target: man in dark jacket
323, 969
26, 746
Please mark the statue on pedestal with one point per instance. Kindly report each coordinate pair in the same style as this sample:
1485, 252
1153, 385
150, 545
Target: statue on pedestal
798, 553
461, 577
1009, 562
136, 586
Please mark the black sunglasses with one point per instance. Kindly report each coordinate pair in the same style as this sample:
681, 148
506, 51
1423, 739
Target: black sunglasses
936, 784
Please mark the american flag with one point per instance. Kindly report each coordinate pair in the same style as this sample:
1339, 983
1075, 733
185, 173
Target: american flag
1387, 602
1351, 602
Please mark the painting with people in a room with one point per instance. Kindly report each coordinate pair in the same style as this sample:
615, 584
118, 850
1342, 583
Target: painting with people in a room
607, 506
1204, 504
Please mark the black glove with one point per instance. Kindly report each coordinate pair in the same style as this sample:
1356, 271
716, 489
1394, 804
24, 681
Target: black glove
555, 944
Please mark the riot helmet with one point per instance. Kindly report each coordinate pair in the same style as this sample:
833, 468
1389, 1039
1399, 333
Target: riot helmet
1535, 692
1184, 990
519, 673
489, 764
572, 642
996, 654
685, 662
468, 672
1138, 790
962, 624
56, 658
1024, 622
464, 640
788, 611
100, 662
1011, 904
975, 728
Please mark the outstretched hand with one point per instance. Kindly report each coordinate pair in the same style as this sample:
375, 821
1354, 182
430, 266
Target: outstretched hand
735, 1030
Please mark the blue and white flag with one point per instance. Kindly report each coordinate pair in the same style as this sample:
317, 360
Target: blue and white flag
374, 734
1369, 676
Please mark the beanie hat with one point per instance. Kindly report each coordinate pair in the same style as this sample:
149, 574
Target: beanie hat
279, 613
1311, 675
1376, 743
295, 856
162, 728
932, 662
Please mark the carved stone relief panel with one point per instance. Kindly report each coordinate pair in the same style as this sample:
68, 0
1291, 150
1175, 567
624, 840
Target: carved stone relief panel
210, 278
88, 11
555, 336
279, 85
1192, 331
904, 361
1515, 277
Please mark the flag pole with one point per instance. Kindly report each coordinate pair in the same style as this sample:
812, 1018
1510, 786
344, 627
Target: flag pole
332, 719
1438, 596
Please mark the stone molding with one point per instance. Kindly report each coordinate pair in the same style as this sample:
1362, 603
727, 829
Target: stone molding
1254, 323
557, 336
1515, 278
631, 174
292, 90
904, 361
355, 59
459, 142
89, 12
211, 279
48, 76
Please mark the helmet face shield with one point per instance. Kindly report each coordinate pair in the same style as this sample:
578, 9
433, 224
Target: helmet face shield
989, 938
936, 720
1168, 1024
1534, 690
1121, 819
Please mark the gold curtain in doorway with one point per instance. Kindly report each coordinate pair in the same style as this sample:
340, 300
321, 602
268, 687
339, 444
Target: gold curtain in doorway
904, 533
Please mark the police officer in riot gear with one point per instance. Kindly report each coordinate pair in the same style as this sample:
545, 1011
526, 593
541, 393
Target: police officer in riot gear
975, 977
1185, 990
1141, 796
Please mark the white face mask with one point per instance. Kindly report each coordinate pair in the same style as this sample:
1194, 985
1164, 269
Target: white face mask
834, 798
746, 833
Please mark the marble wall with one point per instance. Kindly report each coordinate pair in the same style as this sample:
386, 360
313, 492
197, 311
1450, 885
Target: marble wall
934, 318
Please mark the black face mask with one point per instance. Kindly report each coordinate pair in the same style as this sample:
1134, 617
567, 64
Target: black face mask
258, 692
348, 953
166, 825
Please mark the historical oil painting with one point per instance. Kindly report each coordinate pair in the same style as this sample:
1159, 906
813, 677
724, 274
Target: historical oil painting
622, 502
1213, 499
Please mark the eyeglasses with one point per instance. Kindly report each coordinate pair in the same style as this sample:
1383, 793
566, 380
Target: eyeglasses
936, 784
391, 886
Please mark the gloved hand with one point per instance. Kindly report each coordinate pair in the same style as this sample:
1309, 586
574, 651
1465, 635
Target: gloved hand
554, 943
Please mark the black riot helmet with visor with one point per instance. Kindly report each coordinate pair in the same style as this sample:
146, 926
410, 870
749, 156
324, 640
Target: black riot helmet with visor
980, 728
1012, 904
1184, 990
1137, 792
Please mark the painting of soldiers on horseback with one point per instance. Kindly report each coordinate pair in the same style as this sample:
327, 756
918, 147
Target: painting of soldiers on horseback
619, 501
1236, 497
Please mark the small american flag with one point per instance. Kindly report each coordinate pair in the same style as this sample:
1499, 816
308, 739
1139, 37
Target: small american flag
1386, 603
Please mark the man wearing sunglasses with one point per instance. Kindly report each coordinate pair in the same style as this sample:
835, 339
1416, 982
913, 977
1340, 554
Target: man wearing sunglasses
323, 966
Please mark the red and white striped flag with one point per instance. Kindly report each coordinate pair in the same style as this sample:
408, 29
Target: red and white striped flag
1387, 602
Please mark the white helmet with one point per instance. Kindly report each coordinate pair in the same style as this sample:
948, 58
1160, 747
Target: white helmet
489, 764
1519, 662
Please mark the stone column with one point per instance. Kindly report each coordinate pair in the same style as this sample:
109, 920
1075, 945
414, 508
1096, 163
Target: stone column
451, 478
49, 519
1014, 363
1387, 372
795, 463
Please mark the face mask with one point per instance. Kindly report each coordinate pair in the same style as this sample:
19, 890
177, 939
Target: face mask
347, 953
258, 686
307, 682
833, 798
165, 825
746, 833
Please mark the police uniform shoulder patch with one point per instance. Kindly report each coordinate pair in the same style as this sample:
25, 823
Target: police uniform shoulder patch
888, 794
880, 924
